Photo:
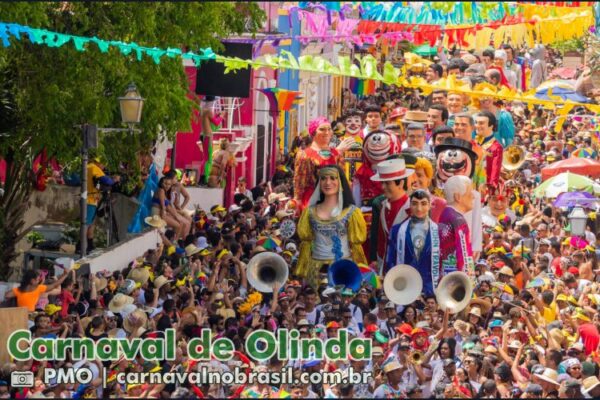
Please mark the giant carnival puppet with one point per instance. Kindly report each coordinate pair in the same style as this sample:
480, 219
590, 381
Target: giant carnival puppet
455, 156
393, 209
353, 155
308, 160
377, 146
331, 227
416, 242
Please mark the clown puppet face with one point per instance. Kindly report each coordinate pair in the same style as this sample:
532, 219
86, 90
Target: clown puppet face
453, 161
378, 146
353, 125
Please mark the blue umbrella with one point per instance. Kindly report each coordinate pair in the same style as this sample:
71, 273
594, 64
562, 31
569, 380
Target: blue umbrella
571, 199
559, 88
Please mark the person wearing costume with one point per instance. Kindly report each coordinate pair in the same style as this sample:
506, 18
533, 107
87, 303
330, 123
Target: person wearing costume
310, 159
373, 120
497, 209
456, 253
331, 228
353, 155
423, 179
416, 242
456, 157
377, 146
393, 175
464, 128
485, 125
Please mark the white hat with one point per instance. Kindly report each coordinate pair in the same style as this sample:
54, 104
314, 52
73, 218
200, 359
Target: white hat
391, 170
501, 54
234, 207
291, 247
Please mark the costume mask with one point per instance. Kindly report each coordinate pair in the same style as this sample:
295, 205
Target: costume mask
353, 124
378, 145
454, 157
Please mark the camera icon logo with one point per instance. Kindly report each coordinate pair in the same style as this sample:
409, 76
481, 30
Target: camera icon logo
21, 379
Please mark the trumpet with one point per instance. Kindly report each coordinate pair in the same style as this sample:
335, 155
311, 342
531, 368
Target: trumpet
416, 357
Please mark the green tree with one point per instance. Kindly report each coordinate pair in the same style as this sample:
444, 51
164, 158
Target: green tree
45, 92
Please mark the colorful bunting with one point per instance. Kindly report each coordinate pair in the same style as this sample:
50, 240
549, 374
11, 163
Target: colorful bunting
55, 39
279, 99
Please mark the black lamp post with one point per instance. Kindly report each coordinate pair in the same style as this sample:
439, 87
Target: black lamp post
131, 105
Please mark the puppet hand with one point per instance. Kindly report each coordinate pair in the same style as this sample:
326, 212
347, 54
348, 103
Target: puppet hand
345, 145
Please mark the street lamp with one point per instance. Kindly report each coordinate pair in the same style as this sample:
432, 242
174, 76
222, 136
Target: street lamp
578, 219
131, 105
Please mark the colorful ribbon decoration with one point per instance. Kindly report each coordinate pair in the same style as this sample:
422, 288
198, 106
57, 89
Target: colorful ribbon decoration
55, 39
365, 67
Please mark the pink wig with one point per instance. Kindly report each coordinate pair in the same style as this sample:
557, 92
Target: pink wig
314, 125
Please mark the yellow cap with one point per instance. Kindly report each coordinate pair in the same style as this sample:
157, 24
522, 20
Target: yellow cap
52, 309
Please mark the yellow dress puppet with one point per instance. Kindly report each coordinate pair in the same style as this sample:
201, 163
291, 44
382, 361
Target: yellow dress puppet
340, 236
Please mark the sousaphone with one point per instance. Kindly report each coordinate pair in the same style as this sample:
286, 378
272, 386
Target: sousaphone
402, 284
264, 269
454, 292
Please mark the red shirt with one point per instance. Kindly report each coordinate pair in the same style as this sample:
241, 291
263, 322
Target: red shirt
66, 299
590, 337
397, 207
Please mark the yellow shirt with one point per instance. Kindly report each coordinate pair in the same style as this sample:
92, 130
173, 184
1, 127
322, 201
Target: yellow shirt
550, 313
93, 173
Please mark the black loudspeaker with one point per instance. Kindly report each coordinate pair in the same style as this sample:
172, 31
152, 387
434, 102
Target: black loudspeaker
211, 79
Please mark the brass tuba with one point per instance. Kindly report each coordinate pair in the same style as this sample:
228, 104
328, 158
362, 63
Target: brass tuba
264, 269
513, 157
454, 292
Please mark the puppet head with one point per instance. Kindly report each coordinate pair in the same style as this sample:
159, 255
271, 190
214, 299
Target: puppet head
454, 157
378, 145
353, 122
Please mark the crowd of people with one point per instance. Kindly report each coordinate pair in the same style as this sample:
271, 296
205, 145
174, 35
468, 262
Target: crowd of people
400, 179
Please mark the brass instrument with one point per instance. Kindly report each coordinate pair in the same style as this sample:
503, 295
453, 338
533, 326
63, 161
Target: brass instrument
416, 357
402, 284
454, 292
512, 158
264, 269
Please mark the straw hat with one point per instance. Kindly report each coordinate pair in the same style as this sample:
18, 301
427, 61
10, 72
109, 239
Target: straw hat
190, 250
462, 327
391, 170
482, 304
135, 320
161, 281
119, 302
391, 366
139, 275
101, 283
549, 376
475, 311
506, 271
155, 221
414, 116
589, 384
